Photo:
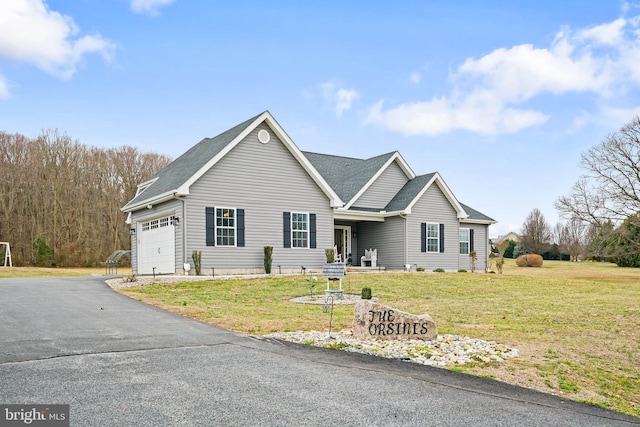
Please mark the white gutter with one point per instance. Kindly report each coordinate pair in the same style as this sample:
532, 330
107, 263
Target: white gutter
164, 197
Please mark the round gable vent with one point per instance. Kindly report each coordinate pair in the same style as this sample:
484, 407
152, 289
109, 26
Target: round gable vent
263, 136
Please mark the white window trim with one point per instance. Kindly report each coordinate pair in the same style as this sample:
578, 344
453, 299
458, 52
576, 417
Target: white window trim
216, 226
468, 241
307, 231
437, 237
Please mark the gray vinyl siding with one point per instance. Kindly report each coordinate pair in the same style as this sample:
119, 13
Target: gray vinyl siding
265, 180
387, 237
383, 189
481, 246
171, 208
433, 207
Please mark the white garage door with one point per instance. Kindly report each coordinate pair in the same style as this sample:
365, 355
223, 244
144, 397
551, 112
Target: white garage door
157, 247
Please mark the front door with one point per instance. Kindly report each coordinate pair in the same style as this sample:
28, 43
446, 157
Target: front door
342, 241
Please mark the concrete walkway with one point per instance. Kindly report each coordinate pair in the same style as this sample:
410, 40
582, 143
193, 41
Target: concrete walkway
119, 362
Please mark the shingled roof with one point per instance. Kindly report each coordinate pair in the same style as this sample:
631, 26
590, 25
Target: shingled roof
347, 175
408, 193
475, 215
184, 167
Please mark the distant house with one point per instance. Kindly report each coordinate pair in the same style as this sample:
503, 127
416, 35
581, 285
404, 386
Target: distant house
251, 186
509, 236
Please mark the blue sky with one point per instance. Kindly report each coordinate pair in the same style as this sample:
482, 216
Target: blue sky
501, 97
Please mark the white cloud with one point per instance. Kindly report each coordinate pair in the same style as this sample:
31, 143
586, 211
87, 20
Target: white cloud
4, 88
149, 6
415, 78
619, 116
489, 92
339, 98
31, 33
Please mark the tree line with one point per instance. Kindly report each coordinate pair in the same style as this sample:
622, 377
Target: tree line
60, 200
602, 211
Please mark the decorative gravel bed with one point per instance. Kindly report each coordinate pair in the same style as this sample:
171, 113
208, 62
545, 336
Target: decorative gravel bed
445, 351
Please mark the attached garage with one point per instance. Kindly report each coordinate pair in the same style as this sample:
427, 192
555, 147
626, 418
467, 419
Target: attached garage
157, 247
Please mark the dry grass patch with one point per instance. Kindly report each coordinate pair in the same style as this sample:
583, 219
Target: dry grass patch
577, 325
16, 272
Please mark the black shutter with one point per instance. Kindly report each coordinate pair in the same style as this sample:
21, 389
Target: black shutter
471, 240
240, 227
286, 229
423, 237
312, 231
441, 238
210, 229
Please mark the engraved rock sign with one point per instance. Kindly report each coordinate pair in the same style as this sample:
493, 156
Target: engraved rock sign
377, 321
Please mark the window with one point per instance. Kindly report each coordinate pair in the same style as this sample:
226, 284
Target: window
464, 241
225, 227
299, 230
433, 237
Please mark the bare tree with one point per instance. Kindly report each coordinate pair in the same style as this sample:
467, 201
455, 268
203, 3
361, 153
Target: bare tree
60, 200
536, 234
610, 188
572, 237
607, 196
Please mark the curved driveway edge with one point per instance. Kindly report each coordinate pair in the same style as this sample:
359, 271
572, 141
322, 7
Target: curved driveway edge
117, 361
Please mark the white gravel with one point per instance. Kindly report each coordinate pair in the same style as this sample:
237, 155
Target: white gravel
445, 351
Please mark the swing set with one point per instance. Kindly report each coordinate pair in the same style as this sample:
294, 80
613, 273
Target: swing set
7, 254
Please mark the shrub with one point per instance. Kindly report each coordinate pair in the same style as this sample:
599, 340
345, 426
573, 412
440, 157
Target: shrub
473, 257
529, 260
438, 270
366, 293
419, 268
196, 256
330, 254
43, 253
268, 258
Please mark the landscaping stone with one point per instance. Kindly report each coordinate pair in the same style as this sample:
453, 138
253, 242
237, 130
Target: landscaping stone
377, 321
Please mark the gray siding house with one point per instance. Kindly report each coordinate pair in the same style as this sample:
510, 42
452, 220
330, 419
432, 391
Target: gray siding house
251, 186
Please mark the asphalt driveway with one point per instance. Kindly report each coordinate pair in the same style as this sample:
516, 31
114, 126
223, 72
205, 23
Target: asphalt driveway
119, 362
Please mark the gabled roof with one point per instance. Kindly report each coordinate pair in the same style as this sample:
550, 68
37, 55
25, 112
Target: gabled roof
409, 193
415, 188
179, 175
350, 177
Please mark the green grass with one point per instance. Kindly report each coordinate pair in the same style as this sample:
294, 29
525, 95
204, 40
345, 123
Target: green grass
577, 325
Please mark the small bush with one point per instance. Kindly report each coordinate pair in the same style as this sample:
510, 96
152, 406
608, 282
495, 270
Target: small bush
420, 269
462, 270
268, 258
529, 260
366, 293
330, 254
439, 270
196, 256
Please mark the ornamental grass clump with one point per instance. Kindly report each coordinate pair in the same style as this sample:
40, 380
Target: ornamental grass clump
529, 260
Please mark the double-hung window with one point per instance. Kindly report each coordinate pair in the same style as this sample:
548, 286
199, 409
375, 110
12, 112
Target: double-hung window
225, 227
299, 230
433, 237
464, 241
